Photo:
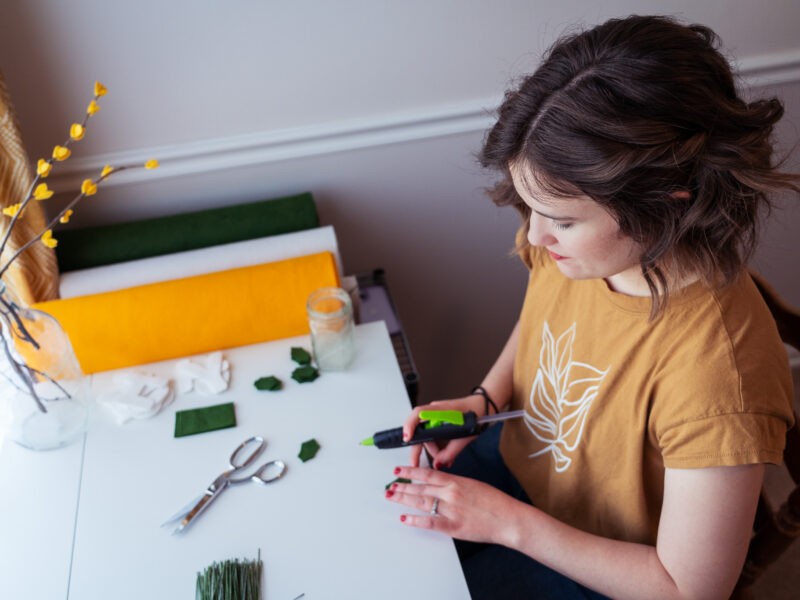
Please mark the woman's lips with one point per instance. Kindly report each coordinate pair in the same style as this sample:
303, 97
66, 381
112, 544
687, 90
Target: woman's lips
556, 256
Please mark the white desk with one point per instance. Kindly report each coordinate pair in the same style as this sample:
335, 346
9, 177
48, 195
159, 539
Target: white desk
324, 530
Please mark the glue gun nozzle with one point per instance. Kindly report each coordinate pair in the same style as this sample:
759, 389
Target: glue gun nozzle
368, 442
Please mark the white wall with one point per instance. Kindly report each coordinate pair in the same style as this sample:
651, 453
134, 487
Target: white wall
377, 107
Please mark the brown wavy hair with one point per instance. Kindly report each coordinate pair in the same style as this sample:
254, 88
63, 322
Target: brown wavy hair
642, 116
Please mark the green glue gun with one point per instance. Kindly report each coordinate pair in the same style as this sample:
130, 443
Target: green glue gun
438, 425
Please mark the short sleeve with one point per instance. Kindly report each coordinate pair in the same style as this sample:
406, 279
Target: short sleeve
725, 440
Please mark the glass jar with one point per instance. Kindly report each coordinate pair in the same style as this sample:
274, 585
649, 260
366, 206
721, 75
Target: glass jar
41, 383
330, 317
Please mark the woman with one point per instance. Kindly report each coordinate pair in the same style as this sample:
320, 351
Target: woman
654, 382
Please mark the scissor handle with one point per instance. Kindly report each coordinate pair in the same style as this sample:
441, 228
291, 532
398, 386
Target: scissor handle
252, 456
277, 468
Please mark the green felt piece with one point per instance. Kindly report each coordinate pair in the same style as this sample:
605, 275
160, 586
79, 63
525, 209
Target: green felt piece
301, 356
208, 418
398, 480
305, 374
308, 450
109, 244
269, 384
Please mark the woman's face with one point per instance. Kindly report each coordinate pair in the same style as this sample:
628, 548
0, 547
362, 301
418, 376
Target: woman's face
581, 236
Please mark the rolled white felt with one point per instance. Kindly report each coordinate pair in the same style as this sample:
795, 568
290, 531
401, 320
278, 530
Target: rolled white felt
200, 262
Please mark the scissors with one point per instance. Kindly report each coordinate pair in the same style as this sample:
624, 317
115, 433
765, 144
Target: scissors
266, 473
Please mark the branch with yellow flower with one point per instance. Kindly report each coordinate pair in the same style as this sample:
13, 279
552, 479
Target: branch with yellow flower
39, 191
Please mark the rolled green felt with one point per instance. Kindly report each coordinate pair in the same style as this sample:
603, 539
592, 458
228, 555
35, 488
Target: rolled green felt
200, 420
110, 244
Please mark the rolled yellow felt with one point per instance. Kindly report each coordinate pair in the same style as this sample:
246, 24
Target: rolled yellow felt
188, 316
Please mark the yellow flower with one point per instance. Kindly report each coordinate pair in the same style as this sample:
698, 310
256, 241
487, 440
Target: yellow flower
99, 89
12, 210
41, 192
65, 217
43, 168
151, 164
107, 170
48, 239
61, 153
88, 187
93, 107
76, 131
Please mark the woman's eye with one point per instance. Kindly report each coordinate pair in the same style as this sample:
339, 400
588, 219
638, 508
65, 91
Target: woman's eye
562, 225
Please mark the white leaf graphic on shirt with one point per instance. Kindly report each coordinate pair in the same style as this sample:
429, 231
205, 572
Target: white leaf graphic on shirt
561, 397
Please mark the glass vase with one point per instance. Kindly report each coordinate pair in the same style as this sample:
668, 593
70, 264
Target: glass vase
41, 383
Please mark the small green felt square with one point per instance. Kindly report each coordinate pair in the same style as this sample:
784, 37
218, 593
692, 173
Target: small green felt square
300, 356
270, 384
308, 450
200, 420
305, 374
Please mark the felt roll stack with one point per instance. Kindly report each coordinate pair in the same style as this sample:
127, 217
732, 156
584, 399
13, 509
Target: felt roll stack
198, 300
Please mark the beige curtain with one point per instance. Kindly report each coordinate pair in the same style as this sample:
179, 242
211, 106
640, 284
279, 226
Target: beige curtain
34, 275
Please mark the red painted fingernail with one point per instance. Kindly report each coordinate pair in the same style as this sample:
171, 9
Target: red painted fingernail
397, 470
403, 518
436, 465
405, 437
389, 493
394, 486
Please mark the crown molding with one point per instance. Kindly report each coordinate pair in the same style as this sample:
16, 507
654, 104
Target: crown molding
770, 69
203, 156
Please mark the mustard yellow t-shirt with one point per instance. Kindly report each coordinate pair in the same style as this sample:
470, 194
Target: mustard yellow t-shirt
611, 398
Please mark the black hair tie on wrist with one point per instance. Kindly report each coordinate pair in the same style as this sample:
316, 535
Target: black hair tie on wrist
480, 391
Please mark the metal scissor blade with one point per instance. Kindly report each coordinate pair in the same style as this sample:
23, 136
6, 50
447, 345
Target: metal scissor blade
182, 512
206, 499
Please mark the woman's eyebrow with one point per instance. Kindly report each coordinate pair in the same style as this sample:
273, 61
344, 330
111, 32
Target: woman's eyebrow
552, 217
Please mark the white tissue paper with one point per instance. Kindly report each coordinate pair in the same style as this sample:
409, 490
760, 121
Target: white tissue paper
207, 375
136, 396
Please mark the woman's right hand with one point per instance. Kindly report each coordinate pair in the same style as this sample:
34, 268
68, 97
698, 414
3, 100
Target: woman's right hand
444, 456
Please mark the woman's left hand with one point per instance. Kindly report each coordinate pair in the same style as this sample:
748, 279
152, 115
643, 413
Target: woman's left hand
467, 509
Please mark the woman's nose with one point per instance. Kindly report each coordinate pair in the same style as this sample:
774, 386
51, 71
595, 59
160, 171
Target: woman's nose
538, 235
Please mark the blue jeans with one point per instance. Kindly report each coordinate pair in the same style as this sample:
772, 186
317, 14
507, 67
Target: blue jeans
495, 572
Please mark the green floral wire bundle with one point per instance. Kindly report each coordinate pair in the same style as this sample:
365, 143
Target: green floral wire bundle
231, 580
38, 190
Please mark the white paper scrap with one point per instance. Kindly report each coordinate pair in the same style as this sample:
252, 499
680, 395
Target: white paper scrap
136, 396
207, 375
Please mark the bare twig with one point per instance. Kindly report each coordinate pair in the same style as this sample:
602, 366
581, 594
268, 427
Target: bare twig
22, 330
44, 375
26, 379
